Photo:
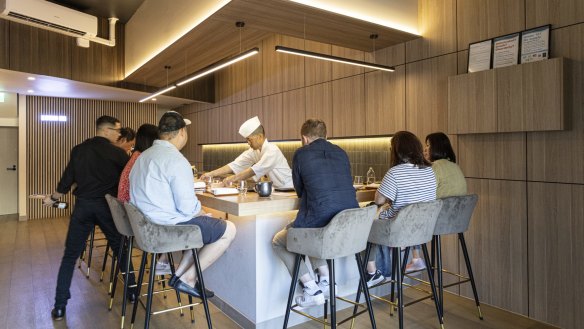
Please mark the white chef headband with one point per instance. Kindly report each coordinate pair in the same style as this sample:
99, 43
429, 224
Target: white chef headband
248, 127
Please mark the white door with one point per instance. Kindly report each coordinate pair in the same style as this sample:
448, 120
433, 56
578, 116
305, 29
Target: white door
8, 170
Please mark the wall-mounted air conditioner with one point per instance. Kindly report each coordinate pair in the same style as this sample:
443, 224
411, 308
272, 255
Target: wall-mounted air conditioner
47, 15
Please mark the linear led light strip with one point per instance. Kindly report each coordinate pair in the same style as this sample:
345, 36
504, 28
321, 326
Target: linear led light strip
325, 57
208, 70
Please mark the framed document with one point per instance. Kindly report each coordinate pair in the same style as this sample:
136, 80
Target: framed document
535, 44
479, 56
506, 50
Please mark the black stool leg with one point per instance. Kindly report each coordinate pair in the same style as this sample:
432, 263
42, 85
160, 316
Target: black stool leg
139, 286
433, 253
292, 289
192, 309
202, 284
333, 299
400, 299
117, 270
150, 295
171, 262
363, 283
470, 275
91, 237
432, 285
129, 240
395, 254
440, 274
107, 247
114, 262
405, 260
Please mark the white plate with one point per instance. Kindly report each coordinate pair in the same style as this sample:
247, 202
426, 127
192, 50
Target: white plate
357, 186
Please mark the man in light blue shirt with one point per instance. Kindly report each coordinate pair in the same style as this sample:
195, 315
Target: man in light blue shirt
161, 186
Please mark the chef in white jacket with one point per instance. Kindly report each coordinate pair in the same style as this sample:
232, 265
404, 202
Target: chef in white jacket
262, 158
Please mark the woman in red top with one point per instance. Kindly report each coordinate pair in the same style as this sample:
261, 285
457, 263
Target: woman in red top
145, 137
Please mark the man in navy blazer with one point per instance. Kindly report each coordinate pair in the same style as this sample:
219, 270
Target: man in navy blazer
322, 178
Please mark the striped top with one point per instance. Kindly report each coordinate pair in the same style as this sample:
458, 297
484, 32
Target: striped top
405, 184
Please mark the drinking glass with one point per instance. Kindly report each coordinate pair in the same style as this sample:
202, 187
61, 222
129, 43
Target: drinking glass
242, 187
358, 180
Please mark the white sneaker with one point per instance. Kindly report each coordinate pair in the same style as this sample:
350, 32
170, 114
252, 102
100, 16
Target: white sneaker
416, 264
310, 298
163, 268
373, 279
324, 286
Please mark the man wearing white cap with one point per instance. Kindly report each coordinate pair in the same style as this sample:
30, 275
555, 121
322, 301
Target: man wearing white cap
263, 158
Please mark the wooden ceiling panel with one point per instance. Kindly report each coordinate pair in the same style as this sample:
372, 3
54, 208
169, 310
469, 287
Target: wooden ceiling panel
204, 45
218, 37
286, 17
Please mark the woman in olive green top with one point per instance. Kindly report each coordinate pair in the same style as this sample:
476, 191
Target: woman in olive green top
449, 178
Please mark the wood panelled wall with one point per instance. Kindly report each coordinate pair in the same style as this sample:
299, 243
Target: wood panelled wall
49, 143
30, 49
527, 231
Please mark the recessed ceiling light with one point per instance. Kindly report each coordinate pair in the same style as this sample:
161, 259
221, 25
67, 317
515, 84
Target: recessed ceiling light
31, 91
31, 78
154, 99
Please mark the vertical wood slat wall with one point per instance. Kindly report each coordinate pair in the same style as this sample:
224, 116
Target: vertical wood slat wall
530, 184
49, 143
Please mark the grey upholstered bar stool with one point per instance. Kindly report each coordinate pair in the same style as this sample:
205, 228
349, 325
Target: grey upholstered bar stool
454, 218
413, 225
123, 226
125, 229
345, 235
156, 239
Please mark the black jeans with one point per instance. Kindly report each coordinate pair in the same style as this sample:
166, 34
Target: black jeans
85, 216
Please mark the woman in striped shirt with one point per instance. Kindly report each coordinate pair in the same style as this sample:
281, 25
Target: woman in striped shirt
410, 179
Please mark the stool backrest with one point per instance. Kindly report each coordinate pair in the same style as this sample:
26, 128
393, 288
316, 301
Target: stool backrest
119, 215
155, 238
455, 214
346, 234
413, 225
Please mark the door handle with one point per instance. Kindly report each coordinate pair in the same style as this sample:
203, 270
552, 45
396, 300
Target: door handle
13, 168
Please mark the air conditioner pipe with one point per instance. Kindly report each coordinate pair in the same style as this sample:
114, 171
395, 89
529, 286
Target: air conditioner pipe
111, 42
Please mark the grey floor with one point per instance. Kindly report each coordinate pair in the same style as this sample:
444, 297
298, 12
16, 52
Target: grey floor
30, 254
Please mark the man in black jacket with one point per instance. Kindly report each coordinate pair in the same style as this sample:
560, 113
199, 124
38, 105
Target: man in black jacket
321, 173
95, 166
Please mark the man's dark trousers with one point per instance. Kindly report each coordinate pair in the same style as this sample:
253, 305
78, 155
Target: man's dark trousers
87, 214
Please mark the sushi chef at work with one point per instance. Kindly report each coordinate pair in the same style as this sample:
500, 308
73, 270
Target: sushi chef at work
262, 158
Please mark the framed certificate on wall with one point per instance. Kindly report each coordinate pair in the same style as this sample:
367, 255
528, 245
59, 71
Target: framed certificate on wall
506, 50
479, 56
535, 44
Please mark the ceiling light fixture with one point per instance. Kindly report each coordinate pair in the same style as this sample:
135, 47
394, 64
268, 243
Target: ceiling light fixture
31, 78
331, 58
208, 70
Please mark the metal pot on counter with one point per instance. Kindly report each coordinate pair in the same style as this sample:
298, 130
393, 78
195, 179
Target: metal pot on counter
263, 189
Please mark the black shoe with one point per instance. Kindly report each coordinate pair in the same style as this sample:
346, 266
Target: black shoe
58, 313
132, 298
172, 280
195, 292
209, 293
373, 279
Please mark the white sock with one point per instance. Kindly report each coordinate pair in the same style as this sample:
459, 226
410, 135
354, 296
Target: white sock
372, 273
